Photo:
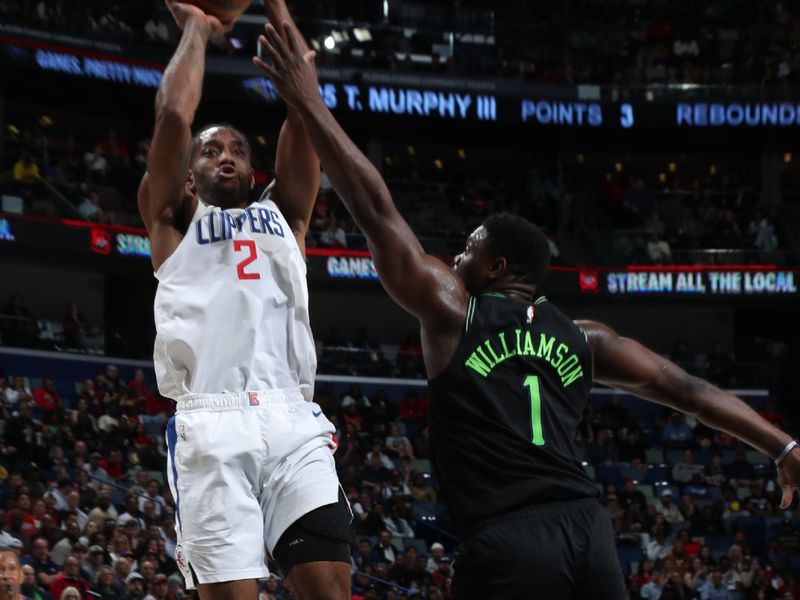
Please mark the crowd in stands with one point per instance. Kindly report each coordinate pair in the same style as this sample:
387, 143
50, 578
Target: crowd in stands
83, 500
704, 214
652, 220
621, 42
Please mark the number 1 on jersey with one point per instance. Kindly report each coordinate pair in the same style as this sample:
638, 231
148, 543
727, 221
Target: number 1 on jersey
532, 383
239, 245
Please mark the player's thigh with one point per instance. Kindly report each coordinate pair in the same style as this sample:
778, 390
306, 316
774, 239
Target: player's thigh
518, 560
600, 576
214, 466
229, 590
323, 580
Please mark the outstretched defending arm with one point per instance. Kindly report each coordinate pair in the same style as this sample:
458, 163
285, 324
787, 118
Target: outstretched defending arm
626, 364
162, 189
420, 283
296, 163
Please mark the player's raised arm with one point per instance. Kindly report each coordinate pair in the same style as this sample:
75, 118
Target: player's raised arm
161, 192
626, 364
296, 163
420, 283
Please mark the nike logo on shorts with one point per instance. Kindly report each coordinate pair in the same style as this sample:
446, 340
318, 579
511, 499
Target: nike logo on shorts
316, 414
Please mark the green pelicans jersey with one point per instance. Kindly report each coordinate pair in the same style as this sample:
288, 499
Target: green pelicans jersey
504, 413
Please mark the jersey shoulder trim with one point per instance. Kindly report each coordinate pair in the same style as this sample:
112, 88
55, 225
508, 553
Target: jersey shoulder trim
470, 312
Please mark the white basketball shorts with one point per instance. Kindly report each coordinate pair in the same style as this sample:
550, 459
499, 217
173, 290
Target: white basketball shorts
242, 468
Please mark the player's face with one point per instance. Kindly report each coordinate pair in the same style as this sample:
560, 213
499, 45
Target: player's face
473, 263
221, 168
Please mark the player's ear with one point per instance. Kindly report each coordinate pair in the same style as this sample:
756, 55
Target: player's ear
252, 178
190, 186
498, 267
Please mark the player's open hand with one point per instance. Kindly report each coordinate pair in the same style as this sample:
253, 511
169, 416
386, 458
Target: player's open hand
292, 71
789, 475
183, 13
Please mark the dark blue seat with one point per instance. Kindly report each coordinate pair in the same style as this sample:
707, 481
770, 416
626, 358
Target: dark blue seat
609, 474
754, 529
658, 473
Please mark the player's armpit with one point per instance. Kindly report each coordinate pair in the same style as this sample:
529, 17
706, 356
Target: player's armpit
297, 178
165, 226
422, 284
626, 364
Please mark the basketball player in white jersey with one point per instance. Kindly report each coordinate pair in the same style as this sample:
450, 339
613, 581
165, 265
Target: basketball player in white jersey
250, 455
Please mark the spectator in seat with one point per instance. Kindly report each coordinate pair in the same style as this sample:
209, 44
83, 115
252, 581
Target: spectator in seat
90, 207
632, 448
95, 470
134, 586
333, 236
68, 578
76, 326
630, 496
437, 553
159, 589
104, 509
740, 472
413, 408
604, 448
63, 547
653, 589
386, 550
29, 589
397, 525
377, 450
153, 495
422, 491
113, 381
668, 509
46, 570
677, 434
422, 445
104, 585
687, 470
398, 445
658, 250
26, 171
46, 397
16, 393
715, 589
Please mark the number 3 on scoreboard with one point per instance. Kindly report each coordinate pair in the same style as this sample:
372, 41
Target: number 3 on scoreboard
250, 245
532, 383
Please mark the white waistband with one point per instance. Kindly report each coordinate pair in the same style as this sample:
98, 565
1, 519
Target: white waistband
232, 400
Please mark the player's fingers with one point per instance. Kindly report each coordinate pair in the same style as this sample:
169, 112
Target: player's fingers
291, 40
786, 499
268, 69
276, 40
269, 45
310, 56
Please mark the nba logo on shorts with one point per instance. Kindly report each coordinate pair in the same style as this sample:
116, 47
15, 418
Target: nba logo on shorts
253, 396
179, 557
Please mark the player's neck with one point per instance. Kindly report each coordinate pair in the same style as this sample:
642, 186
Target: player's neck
513, 289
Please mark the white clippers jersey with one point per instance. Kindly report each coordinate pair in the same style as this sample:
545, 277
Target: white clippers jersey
231, 309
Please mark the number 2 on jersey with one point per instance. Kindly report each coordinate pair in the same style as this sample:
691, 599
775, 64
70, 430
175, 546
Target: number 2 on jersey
532, 383
238, 246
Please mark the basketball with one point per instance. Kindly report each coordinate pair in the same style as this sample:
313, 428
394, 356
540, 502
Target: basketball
226, 11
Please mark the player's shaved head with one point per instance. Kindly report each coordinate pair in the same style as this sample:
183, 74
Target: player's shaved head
521, 243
